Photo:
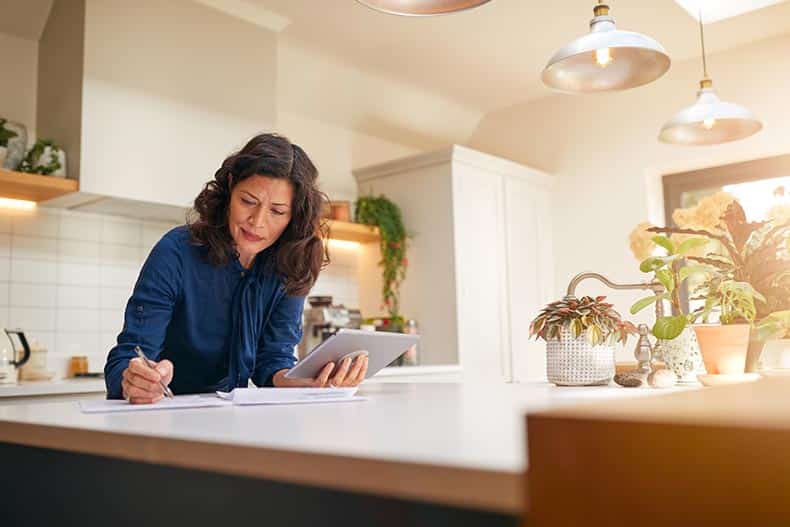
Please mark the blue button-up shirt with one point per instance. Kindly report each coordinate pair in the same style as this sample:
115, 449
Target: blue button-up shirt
180, 310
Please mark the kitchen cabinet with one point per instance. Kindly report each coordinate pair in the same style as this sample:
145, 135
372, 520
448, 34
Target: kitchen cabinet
480, 259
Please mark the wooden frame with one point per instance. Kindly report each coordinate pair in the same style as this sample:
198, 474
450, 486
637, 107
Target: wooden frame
676, 184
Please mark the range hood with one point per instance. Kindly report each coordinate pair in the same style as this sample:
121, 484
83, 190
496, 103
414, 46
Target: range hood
148, 97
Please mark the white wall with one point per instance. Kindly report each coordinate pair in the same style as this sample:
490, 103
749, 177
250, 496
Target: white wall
603, 151
19, 62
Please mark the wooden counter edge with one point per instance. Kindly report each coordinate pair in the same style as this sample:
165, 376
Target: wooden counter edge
596, 471
498, 492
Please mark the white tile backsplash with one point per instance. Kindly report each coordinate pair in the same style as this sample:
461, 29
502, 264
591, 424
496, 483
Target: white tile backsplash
114, 297
33, 247
118, 275
32, 295
33, 271
41, 223
111, 321
69, 296
65, 278
77, 320
120, 254
78, 274
80, 227
121, 232
78, 251
32, 318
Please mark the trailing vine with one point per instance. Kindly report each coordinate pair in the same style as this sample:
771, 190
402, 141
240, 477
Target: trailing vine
386, 215
5, 133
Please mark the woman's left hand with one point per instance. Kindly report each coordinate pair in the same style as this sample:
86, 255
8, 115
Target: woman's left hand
347, 374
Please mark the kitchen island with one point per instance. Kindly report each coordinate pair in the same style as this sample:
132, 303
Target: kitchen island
444, 452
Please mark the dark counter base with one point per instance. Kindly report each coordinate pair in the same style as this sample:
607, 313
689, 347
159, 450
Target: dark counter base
48, 487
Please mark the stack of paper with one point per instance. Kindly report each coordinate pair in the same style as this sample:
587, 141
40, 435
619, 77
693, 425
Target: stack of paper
239, 396
247, 396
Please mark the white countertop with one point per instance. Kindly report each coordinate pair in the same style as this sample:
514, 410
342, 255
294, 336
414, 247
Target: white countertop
55, 387
453, 430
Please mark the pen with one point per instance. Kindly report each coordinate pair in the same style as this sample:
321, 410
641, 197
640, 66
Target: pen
140, 354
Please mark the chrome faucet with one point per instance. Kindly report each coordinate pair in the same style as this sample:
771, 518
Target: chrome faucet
654, 353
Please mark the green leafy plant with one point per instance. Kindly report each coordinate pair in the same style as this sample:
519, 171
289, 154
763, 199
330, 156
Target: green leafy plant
386, 215
755, 253
671, 270
32, 161
5, 134
775, 325
597, 320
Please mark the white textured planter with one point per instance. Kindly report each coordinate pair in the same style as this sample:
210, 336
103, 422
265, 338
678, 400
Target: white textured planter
575, 362
682, 356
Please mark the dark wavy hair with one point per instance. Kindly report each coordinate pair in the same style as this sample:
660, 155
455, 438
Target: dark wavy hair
300, 251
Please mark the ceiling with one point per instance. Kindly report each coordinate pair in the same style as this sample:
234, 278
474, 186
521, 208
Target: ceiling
492, 56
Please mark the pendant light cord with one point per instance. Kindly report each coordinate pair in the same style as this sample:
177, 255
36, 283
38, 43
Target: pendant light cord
702, 41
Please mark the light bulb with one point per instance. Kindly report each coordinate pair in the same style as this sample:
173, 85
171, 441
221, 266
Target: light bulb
603, 57
709, 123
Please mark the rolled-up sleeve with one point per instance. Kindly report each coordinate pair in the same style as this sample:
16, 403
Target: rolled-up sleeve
148, 312
277, 345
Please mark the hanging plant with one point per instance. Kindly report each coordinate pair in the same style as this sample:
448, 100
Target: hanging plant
384, 214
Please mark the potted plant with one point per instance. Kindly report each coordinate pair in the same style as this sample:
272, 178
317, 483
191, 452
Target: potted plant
5, 135
580, 334
678, 342
45, 158
386, 215
752, 266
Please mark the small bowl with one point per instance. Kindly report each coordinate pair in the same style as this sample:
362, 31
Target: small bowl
723, 379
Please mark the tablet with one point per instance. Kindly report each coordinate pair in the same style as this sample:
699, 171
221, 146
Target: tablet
382, 348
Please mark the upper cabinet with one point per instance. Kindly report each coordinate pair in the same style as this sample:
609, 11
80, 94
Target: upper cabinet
149, 97
480, 257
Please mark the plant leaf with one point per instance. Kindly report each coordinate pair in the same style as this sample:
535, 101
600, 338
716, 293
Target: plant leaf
667, 328
664, 242
689, 270
691, 244
639, 305
667, 280
653, 263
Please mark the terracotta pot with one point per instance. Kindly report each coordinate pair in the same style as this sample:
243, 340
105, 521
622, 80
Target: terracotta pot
723, 347
754, 352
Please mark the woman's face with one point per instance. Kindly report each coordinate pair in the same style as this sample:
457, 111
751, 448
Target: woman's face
260, 209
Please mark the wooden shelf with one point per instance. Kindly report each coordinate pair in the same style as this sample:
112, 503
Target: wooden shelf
352, 232
33, 187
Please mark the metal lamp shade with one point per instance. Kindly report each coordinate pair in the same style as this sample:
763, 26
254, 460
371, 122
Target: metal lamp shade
636, 59
710, 121
421, 7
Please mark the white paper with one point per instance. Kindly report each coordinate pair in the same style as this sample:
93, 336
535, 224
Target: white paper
248, 396
178, 402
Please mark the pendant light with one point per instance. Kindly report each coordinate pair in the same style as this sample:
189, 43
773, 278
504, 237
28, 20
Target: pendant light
606, 59
421, 7
709, 121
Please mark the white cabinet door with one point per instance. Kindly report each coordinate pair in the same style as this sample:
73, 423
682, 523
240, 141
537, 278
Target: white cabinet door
530, 271
480, 272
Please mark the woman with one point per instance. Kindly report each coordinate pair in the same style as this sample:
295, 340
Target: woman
219, 301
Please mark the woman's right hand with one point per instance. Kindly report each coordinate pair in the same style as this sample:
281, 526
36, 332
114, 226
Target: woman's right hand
141, 382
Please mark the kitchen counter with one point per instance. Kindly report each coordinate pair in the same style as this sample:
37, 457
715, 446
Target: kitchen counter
453, 444
54, 387
718, 456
